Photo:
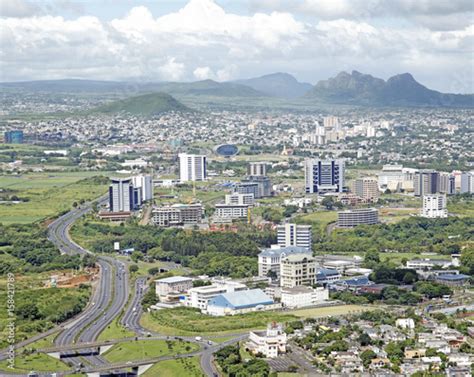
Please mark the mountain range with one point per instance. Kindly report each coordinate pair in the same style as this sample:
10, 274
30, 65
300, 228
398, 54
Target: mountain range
353, 88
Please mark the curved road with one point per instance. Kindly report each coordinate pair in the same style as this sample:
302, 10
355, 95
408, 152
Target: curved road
109, 297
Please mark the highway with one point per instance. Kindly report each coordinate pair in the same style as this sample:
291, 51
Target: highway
131, 317
109, 297
108, 301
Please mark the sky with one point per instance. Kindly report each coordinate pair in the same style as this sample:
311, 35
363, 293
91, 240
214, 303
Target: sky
177, 40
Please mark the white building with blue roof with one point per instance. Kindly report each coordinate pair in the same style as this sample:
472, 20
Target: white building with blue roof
269, 259
240, 302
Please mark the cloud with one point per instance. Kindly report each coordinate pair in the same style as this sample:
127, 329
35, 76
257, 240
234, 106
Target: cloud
202, 40
18, 8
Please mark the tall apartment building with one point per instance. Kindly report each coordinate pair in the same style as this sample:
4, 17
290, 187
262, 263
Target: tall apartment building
177, 214
447, 183
294, 235
269, 259
434, 206
467, 182
248, 188
145, 184
367, 189
257, 169
360, 216
331, 122
426, 182
240, 199
121, 195
324, 176
297, 270
192, 167
264, 185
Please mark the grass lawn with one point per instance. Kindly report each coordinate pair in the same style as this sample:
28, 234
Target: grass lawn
188, 321
146, 349
48, 194
329, 311
189, 367
115, 331
221, 339
43, 343
38, 362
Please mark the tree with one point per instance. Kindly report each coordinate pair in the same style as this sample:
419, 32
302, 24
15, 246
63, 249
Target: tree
367, 357
371, 257
364, 339
328, 202
272, 274
133, 268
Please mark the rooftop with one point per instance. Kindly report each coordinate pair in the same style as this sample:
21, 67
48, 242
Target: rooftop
283, 251
241, 299
173, 279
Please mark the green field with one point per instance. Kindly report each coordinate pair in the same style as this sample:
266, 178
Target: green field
188, 321
48, 194
39, 362
329, 311
189, 367
147, 349
115, 331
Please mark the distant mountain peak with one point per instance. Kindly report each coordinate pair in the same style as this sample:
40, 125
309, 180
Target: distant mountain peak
277, 84
400, 90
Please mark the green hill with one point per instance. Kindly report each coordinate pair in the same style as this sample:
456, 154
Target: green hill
145, 105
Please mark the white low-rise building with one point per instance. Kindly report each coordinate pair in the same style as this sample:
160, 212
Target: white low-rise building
231, 211
301, 296
405, 323
174, 284
199, 297
270, 343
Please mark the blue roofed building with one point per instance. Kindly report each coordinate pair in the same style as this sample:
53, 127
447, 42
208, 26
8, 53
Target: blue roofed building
327, 276
240, 302
352, 284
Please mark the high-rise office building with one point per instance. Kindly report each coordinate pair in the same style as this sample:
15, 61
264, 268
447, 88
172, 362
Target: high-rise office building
447, 183
257, 169
467, 182
13, 137
269, 259
264, 185
121, 195
367, 189
192, 167
145, 184
426, 182
434, 206
324, 176
296, 270
294, 235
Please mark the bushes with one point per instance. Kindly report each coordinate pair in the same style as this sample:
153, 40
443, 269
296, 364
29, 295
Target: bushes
231, 362
31, 251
